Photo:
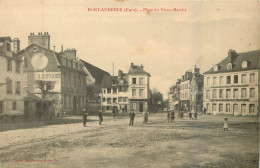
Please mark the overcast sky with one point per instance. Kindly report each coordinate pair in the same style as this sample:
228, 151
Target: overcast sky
166, 43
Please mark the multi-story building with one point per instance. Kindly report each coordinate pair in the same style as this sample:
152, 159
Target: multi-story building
11, 81
174, 96
127, 91
63, 69
196, 91
185, 91
232, 85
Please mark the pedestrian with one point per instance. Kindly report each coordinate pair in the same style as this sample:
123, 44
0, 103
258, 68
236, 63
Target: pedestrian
145, 115
225, 124
114, 112
172, 116
195, 115
182, 114
132, 117
168, 116
204, 110
190, 115
100, 116
85, 117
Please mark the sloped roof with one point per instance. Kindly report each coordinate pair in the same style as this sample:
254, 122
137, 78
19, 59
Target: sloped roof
252, 57
136, 69
6, 38
96, 72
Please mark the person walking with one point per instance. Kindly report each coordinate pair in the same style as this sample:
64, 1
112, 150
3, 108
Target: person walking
100, 116
172, 116
195, 115
190, 115
145, 114
168, 116
204, 110
132, 117
85, 117
225, 124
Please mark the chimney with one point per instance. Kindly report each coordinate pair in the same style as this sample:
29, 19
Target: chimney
61, 48
142, 67
16, 45
132, 65
232, 55
41, 39
70, 53
120, 73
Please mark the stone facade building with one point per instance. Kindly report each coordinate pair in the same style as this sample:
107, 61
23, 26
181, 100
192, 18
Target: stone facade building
127, 91
232, 85
11, 79
63, 69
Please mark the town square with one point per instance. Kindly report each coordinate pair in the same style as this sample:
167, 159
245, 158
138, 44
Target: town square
129, 84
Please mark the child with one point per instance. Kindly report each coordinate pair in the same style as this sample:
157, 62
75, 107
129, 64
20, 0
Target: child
225, 124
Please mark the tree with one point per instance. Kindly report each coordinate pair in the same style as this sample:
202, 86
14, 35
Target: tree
44, 86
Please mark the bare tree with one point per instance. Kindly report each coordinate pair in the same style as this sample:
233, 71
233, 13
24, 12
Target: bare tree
44, 86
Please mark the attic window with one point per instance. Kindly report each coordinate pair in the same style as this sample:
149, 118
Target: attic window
244, 64
216, 68
229, 66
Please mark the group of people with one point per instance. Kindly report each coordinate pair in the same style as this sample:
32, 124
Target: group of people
195, 115
85, 117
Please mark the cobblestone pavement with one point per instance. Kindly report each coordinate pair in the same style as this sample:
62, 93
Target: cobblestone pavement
183, 143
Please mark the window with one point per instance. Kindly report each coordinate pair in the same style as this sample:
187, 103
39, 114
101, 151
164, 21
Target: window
251, 108
228, 79
114, 90
104, 91
214, 80
221, 80
207, 94
228, 93
214, 107
243, 108
109, 90
133, 80
108, 100
114, 100
9, 87
25, 63
14, 105
221, 107
221, 94
9, 65
244, 64
216, 68
235, 108
104, 99
133, 92
208, 80
252, 78
134, 106
71, 63
8, 47
208, 107
75, 81
17, 87
1, 107
214, 94
229, 66
235, 93
252, 92
114, 82
243, 78
227, 108
124, 99
120, 99
235, 78
141, 92
141, 81
243, 93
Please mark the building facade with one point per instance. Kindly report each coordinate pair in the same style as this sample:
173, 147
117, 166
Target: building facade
62, 69
232, 85
127, 91
11, 81
185, 91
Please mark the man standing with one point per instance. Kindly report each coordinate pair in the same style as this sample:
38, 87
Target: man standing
190, 115
85, 116
132, 117
145, 114
204, 110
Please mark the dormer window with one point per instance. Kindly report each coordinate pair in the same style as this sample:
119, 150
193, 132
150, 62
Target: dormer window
215, 67
244, 64
229, 66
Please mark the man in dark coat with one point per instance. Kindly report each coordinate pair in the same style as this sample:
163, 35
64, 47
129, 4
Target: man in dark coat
172, 116
100, 116
190, 115
195, 115
132, 117
85, 116
204, 110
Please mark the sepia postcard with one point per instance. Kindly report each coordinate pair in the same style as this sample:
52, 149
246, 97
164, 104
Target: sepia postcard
129, 84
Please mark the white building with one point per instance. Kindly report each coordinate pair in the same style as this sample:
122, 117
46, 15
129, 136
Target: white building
232, 85
11, 81
127, 91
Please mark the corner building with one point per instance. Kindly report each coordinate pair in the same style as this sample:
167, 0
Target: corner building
232, 85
